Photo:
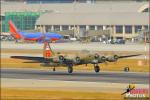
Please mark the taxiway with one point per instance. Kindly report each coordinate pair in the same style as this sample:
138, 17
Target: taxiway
103, 76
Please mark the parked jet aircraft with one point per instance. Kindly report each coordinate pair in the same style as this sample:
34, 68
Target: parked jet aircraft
51, 60
37, 36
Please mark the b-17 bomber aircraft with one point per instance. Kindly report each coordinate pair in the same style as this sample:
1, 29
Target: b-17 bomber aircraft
50, 60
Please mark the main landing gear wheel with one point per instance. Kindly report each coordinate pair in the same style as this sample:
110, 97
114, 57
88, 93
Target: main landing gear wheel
97, 69
126, 69
54, 69
70, 69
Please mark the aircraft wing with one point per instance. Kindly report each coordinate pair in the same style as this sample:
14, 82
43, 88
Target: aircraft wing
36, 59
96, 59
129, 56
69, 63
115, 58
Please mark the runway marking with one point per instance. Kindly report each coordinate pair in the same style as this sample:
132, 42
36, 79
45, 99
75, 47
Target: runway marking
111, 77
33, 69
65, 85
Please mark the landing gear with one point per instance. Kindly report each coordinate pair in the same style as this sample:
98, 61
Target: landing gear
54, 69
96, 68
70, 68
126, 69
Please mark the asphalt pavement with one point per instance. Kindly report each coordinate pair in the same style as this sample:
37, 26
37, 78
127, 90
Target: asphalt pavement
110, 77
78, 46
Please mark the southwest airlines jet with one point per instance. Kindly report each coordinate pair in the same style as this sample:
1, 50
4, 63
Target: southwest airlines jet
34, 36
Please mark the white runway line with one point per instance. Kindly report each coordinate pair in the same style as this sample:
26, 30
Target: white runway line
66, 85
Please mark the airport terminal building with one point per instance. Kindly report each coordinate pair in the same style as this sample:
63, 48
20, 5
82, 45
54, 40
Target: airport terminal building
123, 19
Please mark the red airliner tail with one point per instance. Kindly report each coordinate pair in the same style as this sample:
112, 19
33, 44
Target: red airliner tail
13, 30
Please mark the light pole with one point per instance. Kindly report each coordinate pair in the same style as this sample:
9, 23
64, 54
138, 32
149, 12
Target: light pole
145, 41
144, 33
74, 26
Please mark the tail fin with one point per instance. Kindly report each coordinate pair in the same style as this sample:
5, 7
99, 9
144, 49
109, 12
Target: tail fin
47, 52
13, 30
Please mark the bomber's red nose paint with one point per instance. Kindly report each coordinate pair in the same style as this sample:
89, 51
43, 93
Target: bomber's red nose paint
13, 30
47, 50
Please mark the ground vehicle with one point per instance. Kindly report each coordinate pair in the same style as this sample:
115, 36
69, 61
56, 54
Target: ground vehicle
6, 37
118, 41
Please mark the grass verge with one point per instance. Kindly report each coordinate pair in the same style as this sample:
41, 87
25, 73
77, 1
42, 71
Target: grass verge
21, 94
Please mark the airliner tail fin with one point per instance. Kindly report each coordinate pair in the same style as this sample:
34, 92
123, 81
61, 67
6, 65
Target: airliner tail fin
13, 30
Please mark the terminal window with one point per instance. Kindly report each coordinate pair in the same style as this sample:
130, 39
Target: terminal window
91, 27
100, 27
48, 28
82, 27
65, 27
119, 29
138, 28
128, 29
146, 27
56, 28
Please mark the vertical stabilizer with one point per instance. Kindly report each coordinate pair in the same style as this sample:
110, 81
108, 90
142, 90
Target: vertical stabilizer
47, 52
13, 30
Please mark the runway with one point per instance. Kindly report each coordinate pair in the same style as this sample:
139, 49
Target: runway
110, 77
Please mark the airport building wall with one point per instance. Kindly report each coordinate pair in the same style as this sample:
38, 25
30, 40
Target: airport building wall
116, 31
123, 19
120, 25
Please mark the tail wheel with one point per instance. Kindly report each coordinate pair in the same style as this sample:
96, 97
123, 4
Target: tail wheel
97, 69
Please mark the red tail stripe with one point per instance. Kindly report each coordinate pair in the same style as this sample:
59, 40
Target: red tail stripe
47, 50
13, 30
